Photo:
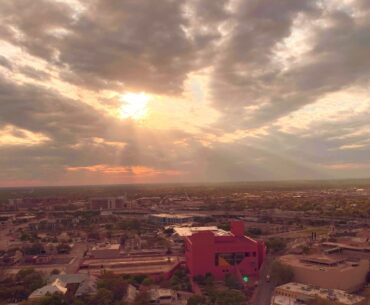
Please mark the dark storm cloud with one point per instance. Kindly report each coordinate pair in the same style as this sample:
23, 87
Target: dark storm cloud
247, 74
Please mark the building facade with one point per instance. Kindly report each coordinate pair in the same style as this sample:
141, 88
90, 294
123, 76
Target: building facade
109, 203
224, 253
328, 272
297, 294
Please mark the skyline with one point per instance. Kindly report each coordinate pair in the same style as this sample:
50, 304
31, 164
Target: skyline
100, 92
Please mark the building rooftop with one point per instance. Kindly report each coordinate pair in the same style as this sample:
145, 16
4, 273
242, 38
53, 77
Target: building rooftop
320, 262
131, 265
161, 293
56, 287
323, 260
188, 231
72, 278
328, 294
106, 247
166, 215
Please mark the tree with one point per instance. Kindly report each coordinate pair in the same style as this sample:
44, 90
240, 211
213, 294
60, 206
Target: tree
180, 280
30, 279
114, 283
63, 248
224, 226
55, 272
275, 244
254, 231
168, 231
143, 298
209, 279
196, 300
55, 299
102, 297
230, 297
232, 282
281, 274
34, 249
147, 282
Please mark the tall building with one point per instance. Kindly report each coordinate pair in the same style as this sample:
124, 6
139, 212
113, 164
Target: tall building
221, 253
109, 203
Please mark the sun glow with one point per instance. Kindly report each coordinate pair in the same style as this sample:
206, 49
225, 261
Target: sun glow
134, 105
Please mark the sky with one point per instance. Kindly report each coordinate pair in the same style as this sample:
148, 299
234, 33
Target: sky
144, 91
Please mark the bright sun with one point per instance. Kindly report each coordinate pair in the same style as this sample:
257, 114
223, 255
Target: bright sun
134, 105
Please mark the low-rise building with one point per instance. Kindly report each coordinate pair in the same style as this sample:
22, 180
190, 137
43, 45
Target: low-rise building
329, 272
73, 284
105, 251
162, 296
297, 293
169, 219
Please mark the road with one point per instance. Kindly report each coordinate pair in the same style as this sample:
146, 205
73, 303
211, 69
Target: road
264, 290
77, 252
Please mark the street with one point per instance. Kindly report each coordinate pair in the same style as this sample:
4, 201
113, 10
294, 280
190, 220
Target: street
265, 288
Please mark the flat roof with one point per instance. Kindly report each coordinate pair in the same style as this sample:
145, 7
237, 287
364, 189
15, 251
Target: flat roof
188, 231
318, 263
149, 265
166, 215
106, 247
329, 294
323, 260
347, 246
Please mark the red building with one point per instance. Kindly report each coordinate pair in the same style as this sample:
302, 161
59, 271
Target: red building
221, 252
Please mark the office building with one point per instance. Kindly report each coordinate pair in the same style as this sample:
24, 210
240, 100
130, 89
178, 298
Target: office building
220, 253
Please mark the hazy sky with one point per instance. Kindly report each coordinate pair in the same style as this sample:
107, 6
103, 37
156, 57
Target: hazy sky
106, 91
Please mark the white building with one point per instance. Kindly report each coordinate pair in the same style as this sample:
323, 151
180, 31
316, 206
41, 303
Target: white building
297, 293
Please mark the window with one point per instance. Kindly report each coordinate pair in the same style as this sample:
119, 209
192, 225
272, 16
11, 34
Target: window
229, 259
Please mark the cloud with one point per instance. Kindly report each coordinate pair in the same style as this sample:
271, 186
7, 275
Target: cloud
284, 83
248, 74
5, 63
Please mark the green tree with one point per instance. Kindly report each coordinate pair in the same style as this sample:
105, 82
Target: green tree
232, 282
63, 248
114, 283
275, 244
224, 226
55, 271
230, 297
281, 274
30, 279
147, 282
102, 297
143, 298
196, 300
254, 231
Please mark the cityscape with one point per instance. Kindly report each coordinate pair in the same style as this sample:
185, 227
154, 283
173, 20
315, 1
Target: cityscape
234, 243
184, 152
